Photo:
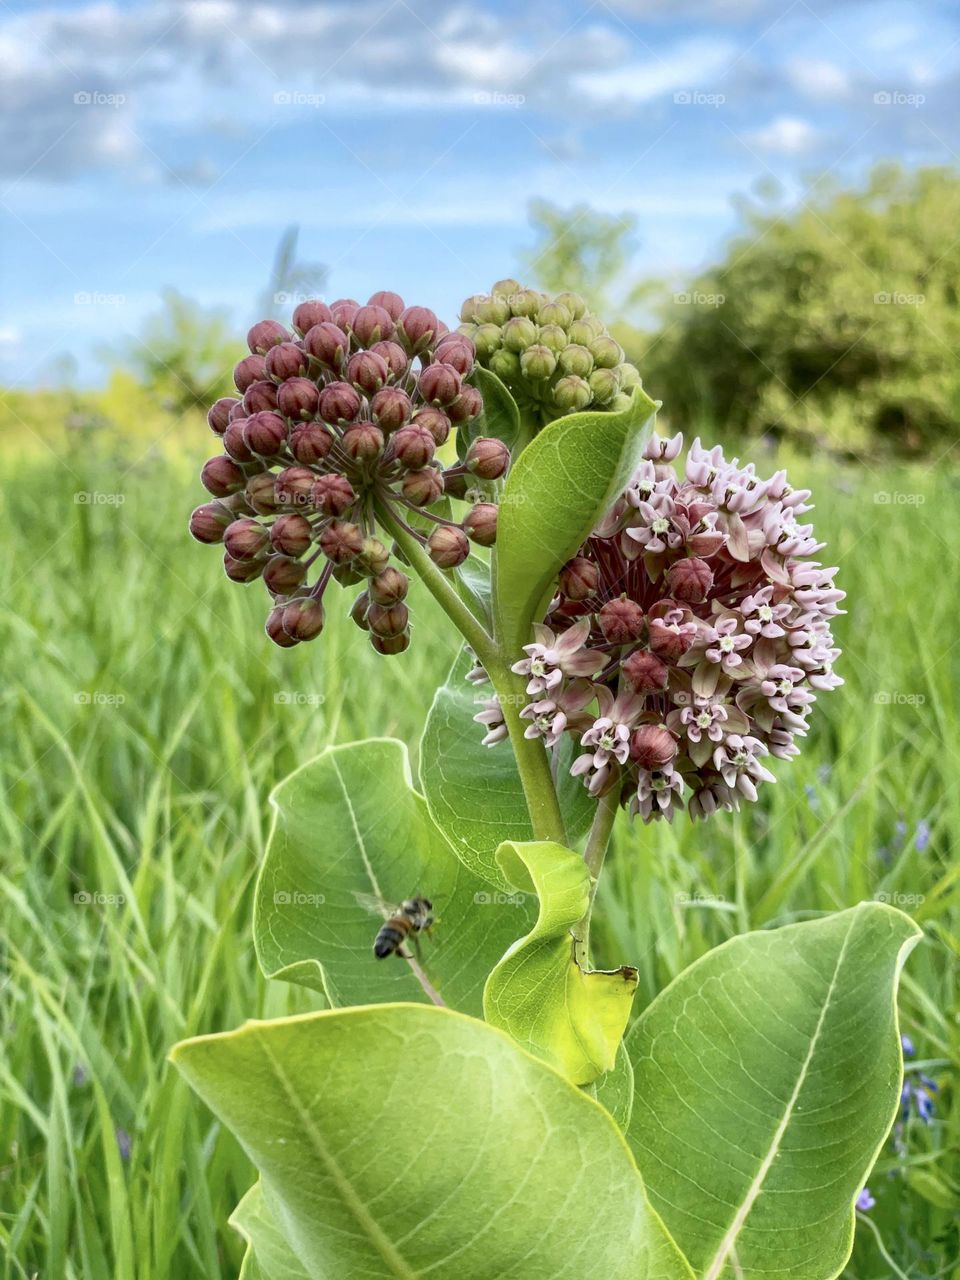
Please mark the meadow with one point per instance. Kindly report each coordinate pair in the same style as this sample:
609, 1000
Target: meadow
145, 718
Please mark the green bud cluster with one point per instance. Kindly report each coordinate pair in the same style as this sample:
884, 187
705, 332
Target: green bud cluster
552, 353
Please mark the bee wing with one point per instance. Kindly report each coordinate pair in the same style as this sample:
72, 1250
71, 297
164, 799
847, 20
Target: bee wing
376, 905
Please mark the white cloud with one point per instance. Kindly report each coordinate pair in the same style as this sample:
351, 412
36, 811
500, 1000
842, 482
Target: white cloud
787, 135
818, 79
694, 65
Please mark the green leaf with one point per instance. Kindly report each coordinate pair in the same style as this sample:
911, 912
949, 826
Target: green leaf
268, 1256
403, 1141
572, 1018
555, 494
348, 823
770, 1074
500, 417
615, 1089
474, 792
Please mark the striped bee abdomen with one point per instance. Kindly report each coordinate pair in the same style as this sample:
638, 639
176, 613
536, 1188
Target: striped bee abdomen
390, 938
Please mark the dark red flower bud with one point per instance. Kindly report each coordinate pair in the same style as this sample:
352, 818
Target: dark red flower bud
238, 411
690, 579
291, 535
266, 334
260, 396
621, 621
388, 620
423, 488
342, 312
412, 446
455, 483
265, 433
310, 313
448, 547
372, 324
396, 359
457, 351
208, 522
310, 442
341, 541
235, 441
262, 492
579, 578
367, 371
274, 629
390, 645
218, 415
363, 442
249, 370
303, 618
328, 343
436, 422
283, 574
242, 570
652, 746
221, 476
389, 587
439, 384
287, 361
373, 558
668, 641
339, 403
333, 495
358, 610
392, 303
298, 398
295, 486
468, 406
645, 673
246, 539
391, 408
417, 329
480, 524
487, 458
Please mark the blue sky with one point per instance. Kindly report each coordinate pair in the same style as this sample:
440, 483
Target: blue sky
165, 143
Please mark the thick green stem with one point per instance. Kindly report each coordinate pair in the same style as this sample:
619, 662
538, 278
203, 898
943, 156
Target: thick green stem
597, 844
532, 761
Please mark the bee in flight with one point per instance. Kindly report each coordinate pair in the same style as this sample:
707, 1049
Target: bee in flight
412, 917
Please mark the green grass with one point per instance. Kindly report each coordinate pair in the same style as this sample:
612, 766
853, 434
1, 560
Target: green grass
145, 717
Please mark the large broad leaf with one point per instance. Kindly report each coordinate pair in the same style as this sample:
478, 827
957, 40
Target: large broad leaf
349, 823
557, 491
474, 792
268, 1256
572, 1018
406, 1141
767, 1077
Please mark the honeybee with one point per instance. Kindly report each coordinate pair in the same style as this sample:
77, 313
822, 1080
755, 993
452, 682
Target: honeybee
412, 917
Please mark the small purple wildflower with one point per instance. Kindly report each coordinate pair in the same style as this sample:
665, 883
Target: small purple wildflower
922, 837
916, 1097
865, 1201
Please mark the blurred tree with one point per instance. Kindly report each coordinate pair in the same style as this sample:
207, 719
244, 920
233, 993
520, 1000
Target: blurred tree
584, 251
290, 281
184, 354
836, 323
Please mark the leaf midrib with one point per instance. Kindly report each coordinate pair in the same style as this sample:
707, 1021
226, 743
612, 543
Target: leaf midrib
756, 1186
377, 1237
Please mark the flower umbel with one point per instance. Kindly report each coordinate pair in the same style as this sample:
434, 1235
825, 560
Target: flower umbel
693, 628
340, 419
554, 356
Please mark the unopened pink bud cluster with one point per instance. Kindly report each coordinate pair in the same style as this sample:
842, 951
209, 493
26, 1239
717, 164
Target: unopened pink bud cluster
688, 638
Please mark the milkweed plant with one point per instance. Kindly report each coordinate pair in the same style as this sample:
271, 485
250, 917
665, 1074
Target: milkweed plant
644, 627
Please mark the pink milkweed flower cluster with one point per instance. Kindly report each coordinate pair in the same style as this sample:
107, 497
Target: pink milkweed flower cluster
688, 638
